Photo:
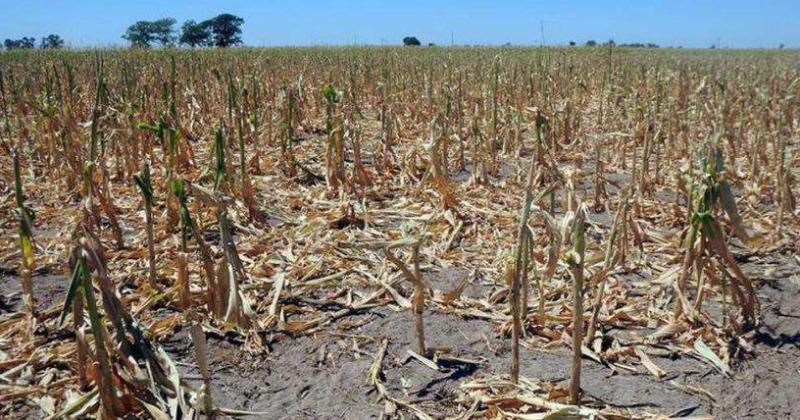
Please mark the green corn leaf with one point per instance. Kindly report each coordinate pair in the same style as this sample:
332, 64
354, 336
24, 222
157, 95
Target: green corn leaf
18, 181
149, 127
74, 286
330, 94
172, 141
144, 183
177, 188
26, 242
91, 305
219, 151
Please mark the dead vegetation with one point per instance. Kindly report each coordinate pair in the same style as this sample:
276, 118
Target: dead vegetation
603, 199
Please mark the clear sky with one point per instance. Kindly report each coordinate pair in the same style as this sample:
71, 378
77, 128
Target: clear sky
731, 23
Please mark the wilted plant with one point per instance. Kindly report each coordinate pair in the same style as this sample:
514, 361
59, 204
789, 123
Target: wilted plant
201, 353
247, 192
415, 278
189, 227
25, 239
146, 187
168, 137
290, 118
334, 152
90, 189
220, 170
575, 260
437, 171
706, 238
134, 374
233, 307
615, 250
519, 274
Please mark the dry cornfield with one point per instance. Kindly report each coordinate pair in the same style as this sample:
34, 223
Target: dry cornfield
370, 232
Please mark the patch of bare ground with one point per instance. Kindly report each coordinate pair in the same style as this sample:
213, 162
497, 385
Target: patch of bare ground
324, 376
48, 290
768, 386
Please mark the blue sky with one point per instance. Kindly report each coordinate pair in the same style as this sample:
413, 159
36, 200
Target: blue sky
732, 23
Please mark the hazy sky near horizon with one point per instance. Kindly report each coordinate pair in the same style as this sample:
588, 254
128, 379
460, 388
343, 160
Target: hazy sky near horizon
733, 23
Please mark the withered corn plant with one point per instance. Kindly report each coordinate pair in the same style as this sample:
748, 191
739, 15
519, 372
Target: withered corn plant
91, 189
334, 151
146, 187
420, 288
575, 260
190, 228
26, 244
201, 354
706, 239
614, 252
519, 273
233, 306
168, 138
130, 373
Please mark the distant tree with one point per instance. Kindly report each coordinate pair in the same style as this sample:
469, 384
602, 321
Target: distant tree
572, 43
411, 41
591, 43
637, 45
225, 29
51, 41
195, 34
431, 44
163, 31
22, 43
610, 43
143, 33
140, 34
780, 47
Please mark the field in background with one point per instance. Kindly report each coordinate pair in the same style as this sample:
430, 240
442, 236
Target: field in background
356, 232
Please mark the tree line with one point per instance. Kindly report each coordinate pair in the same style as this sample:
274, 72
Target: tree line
51, 41
221, 31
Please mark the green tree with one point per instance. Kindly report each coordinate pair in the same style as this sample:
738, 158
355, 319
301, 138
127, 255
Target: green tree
143, 33
411, 41
51, 41
163, 31
22, 43
195, 34
140, 34
225, 30
591, 43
